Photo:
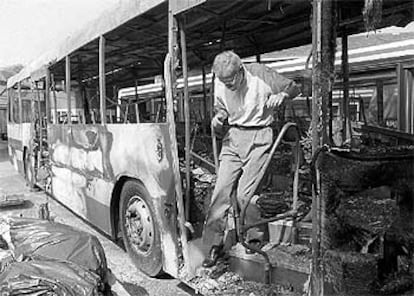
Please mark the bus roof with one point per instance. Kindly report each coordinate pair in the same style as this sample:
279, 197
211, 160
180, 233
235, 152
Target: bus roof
109, 20
137, 32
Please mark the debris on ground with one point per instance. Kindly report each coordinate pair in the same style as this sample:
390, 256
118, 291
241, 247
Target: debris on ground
367, 200
396, 284
221, 281
202, 184
344, 272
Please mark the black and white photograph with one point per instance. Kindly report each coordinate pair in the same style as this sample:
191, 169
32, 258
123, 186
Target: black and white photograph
206, 147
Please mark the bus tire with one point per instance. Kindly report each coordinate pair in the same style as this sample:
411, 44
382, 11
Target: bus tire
140, 229
29, 170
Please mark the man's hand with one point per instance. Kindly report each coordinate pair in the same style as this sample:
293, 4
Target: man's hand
218, 121
276, 100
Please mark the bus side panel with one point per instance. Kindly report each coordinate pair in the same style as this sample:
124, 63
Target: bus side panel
87, 160
143, 151
79, 180
18, 139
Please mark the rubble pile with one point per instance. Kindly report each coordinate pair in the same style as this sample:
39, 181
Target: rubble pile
222, 282
277, 192
381, 148
397, 284
272, 205
201, 187
351, 273
203, 184
365, 197
362, 218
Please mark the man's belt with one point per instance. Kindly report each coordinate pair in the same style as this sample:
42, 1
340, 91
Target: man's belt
254, 127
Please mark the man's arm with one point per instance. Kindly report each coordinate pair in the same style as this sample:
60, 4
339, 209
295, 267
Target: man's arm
277, 82
220, 110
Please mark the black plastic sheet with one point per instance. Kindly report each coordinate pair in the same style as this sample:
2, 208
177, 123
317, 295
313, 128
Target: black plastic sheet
53, 259
43, 276
57, 241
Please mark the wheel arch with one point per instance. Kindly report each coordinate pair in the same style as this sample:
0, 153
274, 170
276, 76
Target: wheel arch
167, 231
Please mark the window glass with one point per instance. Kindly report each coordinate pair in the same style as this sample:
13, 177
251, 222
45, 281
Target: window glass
390, 105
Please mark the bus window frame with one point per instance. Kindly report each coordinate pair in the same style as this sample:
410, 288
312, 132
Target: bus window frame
68, 90
102, 81
10, 106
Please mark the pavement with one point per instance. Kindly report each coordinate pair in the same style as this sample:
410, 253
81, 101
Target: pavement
129, 281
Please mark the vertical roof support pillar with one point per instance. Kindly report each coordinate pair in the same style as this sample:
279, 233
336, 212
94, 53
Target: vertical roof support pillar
323, 48
102, 86
68, 87
345, 81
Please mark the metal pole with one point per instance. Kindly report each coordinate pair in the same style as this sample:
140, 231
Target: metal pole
102, 89
19, 93
68, 86
47, 95
316, 97
136, 103
186, 120
205, 120
211, 110
39, 110
345, 80
401, 95
169, 94
330, 118
10, 104
213, 134
86, 116
52, 78
323, 45
380, 102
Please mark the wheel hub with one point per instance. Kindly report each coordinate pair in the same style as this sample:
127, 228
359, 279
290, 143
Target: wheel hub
139, 224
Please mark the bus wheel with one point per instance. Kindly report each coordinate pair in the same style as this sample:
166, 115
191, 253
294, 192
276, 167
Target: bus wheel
29, 169
139, 228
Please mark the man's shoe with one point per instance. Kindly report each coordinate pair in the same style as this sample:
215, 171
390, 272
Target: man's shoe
215, 253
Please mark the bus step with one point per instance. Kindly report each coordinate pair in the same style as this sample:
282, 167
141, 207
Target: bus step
290, 265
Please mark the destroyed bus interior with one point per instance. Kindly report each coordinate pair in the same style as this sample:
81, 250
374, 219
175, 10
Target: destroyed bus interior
333, 199
124, 141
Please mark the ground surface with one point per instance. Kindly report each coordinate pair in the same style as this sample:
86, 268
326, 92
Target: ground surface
130, 281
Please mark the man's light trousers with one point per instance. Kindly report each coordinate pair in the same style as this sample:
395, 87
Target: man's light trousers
243, 153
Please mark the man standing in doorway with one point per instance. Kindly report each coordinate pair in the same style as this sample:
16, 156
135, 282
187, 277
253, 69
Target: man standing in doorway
245, 95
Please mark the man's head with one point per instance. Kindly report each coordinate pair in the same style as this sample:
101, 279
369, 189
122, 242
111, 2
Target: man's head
229, 69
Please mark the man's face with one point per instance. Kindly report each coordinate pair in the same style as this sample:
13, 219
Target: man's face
234, 81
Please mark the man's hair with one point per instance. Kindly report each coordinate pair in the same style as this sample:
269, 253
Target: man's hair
226, 64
